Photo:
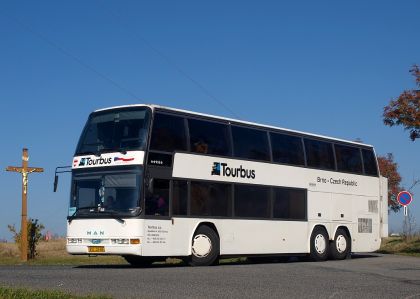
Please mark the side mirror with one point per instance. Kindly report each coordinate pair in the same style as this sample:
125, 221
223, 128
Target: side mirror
55, 183
60, 169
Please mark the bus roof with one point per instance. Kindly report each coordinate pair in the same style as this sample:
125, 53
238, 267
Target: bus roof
233, 120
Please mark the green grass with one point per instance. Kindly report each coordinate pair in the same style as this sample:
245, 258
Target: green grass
12, 293
398, 245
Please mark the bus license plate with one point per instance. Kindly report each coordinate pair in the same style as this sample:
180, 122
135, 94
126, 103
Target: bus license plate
96, 249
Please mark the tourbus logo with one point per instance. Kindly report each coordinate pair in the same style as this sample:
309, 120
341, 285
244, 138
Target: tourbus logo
215, 169
98, 161
224, 170
82, 162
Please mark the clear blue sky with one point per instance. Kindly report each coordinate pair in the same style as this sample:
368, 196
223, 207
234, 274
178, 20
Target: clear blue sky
318, 66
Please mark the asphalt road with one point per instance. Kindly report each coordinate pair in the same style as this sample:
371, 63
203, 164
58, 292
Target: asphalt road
368, 276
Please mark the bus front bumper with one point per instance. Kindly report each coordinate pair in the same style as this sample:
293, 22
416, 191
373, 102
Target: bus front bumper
101, 247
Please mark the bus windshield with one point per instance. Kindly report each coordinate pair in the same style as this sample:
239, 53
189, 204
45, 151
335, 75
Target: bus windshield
116, 193
115, 131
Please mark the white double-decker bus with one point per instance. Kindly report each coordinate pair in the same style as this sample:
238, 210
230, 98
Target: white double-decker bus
150, 182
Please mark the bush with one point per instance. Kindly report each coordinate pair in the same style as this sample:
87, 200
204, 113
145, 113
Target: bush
34, 235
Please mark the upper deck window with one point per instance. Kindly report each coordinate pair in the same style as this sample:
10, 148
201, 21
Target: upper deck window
250, 144
115, 130
348, 158
369, 162
168, 133
287, 149
209, 137
319, 154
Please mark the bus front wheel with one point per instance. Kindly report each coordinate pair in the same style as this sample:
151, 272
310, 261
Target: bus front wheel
340, 247
205, 247
319, 244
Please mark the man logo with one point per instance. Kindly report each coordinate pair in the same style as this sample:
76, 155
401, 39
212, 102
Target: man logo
215, 169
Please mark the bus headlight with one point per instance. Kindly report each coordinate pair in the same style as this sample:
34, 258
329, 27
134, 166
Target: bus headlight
119, 241
74, 240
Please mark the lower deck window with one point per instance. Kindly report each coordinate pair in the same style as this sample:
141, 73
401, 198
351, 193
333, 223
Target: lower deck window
252, 201
210, 199
289, 204
214, 199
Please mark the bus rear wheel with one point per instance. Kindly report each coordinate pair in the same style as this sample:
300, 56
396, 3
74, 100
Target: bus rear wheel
340, 247
205, 247
319, 244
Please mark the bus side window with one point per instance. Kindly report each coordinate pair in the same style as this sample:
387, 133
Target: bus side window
250, 144
157, 198
287, 149
252, 201
369, 162
348, 158
168, 133
289, 204
211, 199
319, 154
209, 137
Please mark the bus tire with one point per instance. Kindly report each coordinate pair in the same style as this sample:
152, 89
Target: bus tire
340, 247
139, 261
205, 247
319, 244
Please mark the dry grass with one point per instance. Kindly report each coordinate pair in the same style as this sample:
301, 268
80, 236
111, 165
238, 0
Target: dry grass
53, 253
398, 245
8, 250
55, 248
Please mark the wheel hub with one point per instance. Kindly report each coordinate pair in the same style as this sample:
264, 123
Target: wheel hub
320, 244
341, 244
201, 246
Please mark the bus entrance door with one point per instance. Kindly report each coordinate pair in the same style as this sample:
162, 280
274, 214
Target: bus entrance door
157, 222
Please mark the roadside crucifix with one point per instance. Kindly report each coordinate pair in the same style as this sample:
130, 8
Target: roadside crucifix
24, 170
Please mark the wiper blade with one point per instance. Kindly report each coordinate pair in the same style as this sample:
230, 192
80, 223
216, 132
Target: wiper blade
70, 218
114, 215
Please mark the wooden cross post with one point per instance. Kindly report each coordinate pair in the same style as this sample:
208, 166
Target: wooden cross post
24, 170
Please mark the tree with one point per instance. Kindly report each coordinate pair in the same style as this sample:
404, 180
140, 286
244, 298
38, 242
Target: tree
389, 169
34, 235
405, 110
